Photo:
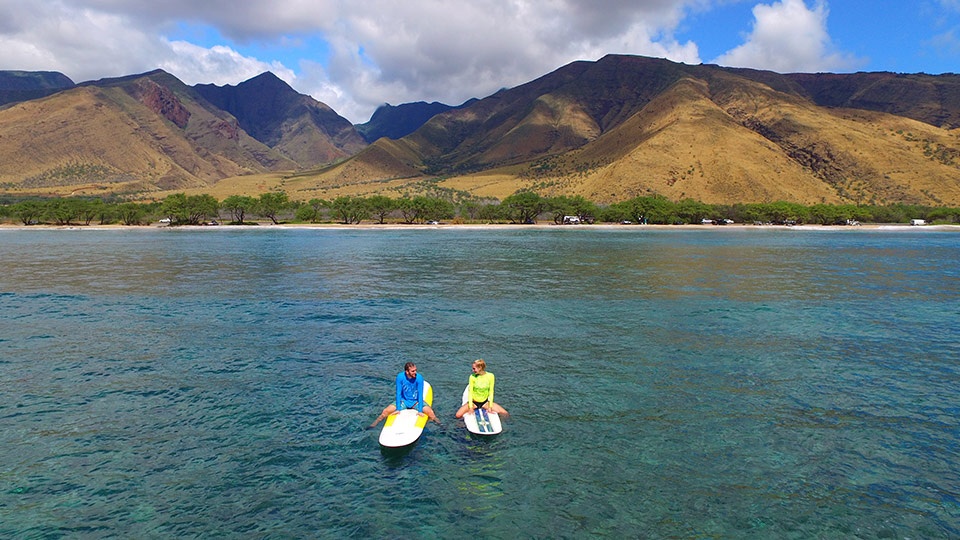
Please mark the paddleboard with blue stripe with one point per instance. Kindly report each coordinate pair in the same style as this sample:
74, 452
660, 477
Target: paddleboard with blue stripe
481, 421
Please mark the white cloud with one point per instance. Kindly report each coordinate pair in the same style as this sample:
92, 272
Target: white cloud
218, 65
945, 43
379, 50
81, 43
383, 50
386, 51
787, 37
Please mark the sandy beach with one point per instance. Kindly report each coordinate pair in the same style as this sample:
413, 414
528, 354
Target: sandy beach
500, 226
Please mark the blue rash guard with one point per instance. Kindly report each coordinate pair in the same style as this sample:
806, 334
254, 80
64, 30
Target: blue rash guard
409, 392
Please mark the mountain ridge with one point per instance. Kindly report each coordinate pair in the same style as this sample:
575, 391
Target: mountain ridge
307, 131
610, 129
546, 135
396, 121
16, 86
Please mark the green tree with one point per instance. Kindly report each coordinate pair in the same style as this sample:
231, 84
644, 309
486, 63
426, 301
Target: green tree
200, 207
470, 209
28, 212
523, 207
749, 213
413, 210
131, 213
576, 205
350, 209
692, 211
656, 209
408, 211
783, 211
614, 213
435, 209
107, 212
305, 212
174, 208
583, 208
239, 206
271, 204
380, 206
949, 215
491, 212
559, 207
90, 209
62, 211
824, 214
318, 205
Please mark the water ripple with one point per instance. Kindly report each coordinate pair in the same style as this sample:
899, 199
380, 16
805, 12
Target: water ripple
660, 383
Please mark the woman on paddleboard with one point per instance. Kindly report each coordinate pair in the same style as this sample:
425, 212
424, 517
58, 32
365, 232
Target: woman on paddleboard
480, 391
409, 395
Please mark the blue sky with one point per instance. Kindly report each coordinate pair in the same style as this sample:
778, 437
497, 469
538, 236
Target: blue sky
355, 55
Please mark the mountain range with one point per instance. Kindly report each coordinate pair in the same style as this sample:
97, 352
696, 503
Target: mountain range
609, 130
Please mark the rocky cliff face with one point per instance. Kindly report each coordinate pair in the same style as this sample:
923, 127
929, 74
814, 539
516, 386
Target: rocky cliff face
160, 100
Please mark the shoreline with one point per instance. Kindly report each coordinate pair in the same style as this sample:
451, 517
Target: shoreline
480, 226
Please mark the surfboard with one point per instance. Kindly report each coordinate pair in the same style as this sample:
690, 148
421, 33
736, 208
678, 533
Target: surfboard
480, 421
405, 427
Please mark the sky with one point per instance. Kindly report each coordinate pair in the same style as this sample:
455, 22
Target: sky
355, 55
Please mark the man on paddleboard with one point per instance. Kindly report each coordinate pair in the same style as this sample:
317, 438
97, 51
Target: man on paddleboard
409, 395
480, 391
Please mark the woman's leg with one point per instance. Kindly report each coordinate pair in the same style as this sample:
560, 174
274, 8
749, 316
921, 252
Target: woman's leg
498, 409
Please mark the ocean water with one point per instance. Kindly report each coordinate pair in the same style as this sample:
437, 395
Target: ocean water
747, 383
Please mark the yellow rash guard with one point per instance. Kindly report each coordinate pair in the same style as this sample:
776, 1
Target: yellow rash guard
481, 387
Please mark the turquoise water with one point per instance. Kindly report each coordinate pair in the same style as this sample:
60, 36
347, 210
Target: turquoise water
662, 383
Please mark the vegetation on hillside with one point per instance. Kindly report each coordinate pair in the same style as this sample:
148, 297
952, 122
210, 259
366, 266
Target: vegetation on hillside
620, 127
521, 207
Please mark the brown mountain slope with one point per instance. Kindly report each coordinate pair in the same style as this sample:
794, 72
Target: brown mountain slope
210, 131
932, 99
558, 112
750, 143
136, 134
681, 146
610, 130
87, 123
865, 156
296, 125
385, 166
627, 126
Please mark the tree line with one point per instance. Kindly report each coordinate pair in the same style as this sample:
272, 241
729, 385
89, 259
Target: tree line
521, 207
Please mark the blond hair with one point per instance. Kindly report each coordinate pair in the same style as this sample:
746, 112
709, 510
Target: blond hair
481, 364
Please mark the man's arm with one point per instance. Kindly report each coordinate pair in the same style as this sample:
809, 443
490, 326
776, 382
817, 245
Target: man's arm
420, 395
399, 390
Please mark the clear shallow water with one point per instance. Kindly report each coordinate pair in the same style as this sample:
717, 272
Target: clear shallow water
217, 383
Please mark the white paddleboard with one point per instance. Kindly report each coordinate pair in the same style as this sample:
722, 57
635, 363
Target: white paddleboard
480, 421
405, 427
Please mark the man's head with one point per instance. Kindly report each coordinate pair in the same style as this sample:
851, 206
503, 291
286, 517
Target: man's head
410, 369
